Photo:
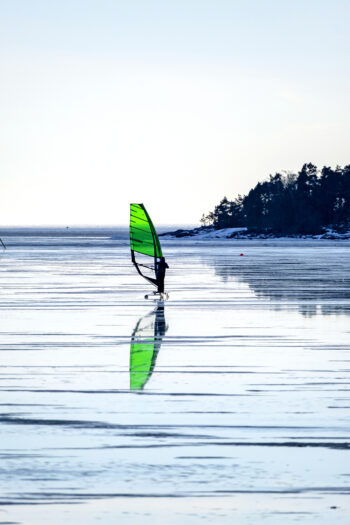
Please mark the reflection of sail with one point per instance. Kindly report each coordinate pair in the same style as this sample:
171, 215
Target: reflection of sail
145, 344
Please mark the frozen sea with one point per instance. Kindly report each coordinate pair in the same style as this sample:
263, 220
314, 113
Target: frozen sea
240, 414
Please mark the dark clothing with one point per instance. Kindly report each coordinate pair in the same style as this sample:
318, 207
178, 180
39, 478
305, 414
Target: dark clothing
160, 274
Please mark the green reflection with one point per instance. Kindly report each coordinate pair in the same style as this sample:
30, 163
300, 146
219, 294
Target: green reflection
146, 340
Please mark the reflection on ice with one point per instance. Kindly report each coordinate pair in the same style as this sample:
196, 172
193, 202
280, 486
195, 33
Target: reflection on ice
145, 345
319, 282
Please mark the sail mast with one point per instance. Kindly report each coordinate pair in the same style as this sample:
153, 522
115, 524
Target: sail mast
144, 242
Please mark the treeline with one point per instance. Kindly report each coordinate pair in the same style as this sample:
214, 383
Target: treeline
290, 203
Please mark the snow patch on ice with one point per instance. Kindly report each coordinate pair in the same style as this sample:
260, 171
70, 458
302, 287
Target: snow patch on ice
225, 233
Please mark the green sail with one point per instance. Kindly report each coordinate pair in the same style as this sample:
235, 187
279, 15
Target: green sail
145, 345
143, 236
142, 359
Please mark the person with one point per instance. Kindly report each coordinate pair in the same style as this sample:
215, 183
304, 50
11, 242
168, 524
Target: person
160, 274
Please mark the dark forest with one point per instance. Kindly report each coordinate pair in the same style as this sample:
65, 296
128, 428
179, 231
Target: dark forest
301, 203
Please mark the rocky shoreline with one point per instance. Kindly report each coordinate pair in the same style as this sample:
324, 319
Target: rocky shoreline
209, 232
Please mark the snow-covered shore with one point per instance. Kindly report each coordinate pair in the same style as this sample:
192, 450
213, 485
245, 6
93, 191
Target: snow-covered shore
208, 233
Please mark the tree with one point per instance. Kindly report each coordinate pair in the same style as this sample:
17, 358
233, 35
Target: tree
289, 203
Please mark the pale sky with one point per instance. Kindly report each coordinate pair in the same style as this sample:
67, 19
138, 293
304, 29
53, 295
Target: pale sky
173, 103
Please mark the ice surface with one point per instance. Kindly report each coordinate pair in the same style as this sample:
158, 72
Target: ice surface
247, 405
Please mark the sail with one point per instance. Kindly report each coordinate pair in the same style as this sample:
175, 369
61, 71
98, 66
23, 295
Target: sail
143, 236
145, 243
145, 345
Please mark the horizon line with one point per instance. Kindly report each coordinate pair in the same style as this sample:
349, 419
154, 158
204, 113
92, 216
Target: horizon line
89, 225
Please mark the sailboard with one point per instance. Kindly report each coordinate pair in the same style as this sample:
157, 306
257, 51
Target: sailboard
145, 344
146, 251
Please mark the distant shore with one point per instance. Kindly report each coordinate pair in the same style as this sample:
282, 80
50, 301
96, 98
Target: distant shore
209, 232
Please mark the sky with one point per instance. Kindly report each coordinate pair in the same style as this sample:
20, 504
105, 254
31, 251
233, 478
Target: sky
173, 103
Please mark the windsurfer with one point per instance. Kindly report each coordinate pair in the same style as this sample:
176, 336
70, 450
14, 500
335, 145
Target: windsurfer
161, 269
